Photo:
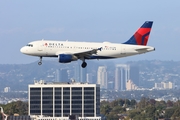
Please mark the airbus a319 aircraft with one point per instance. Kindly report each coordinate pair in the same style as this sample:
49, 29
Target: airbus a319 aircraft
67, 51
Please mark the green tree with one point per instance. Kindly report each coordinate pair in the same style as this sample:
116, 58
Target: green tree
118, 110
105, 109
143, 103
18, 107
121, 102
169, 112
134, 113
140, 117
133, 103
112, 116
176, 114
150, 112
160, 105
114, 103
169, 103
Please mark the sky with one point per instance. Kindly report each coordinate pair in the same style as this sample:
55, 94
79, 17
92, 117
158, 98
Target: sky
88, 20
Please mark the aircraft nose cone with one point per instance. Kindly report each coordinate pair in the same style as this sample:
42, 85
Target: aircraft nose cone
22, 50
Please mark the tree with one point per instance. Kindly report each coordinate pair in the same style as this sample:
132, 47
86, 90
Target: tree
152, 102
118, 110
140, 117
133, 102
105, 110
169, 103
143, 103
121, 102
176, 113
114, 103
18, 107
150, 112
160, 105
169, 112
134, 113
112, 116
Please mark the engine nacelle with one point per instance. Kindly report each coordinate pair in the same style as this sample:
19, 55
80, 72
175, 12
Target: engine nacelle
65, 58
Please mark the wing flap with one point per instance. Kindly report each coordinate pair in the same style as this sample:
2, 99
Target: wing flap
87, 54
80, 54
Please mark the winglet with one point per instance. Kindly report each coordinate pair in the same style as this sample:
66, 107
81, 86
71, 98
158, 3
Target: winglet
141, 35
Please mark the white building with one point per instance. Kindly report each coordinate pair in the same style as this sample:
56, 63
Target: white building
164, 85
121, 76
89, 77
130, 85
102, 77
7, 89
59, 101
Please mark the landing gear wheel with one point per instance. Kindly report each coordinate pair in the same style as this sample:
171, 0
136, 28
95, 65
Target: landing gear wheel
39, 63
84, 64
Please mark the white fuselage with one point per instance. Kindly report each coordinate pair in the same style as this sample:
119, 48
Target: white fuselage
47, 48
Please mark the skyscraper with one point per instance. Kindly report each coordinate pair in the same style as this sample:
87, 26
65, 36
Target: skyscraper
83, 72
121, 76
77, 72
102, 77
57, 75
63, 75
134, 74
80, 73
89, 77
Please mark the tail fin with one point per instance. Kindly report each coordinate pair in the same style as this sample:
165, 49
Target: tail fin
141, 35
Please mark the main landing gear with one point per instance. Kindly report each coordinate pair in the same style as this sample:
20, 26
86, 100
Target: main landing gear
40, 61
84, 64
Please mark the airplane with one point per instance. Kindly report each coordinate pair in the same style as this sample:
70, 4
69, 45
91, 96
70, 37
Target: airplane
67, 51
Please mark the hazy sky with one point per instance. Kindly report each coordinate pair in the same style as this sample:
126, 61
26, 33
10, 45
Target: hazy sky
88, 20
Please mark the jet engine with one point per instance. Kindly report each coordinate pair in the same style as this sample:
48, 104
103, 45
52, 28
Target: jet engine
65, 58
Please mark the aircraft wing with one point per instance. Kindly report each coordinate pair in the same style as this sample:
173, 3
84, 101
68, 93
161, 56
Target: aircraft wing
81, 54
87, 54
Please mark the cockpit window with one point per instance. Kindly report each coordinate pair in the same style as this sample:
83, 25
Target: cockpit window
30, 45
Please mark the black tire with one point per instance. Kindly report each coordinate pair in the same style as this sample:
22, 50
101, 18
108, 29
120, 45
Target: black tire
84, 64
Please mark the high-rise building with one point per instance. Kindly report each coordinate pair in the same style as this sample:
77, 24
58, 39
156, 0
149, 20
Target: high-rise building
83, 72
111, 85
59, 101
63, 75
130, 85
77, 72
102, 77
80, 74
134, 74
7, 89
89, 77
121, 76
57, 75
164, 85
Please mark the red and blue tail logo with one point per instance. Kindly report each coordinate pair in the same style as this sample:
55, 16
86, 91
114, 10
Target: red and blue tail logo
141, 35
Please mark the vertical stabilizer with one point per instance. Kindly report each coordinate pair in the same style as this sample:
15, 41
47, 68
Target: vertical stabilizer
141, 36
